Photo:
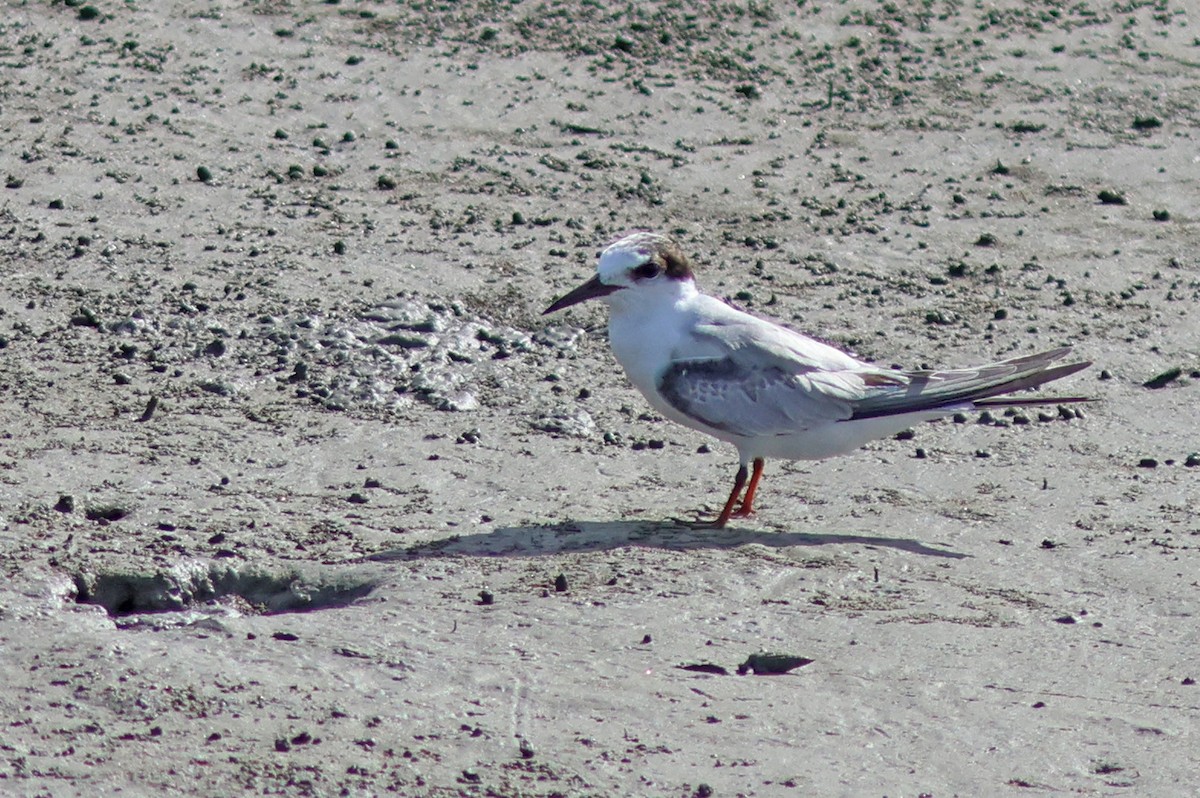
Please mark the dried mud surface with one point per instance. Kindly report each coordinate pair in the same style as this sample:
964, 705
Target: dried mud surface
301, 495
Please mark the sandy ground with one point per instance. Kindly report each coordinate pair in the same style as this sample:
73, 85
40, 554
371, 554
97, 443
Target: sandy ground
291, 463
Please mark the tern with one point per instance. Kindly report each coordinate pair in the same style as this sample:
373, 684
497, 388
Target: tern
768, 390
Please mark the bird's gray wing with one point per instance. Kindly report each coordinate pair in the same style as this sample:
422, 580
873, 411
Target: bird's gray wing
932, 390
749, 400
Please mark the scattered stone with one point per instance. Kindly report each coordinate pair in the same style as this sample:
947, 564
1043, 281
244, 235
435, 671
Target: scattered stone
1110, 197
486, 598
762, 664
1164, 379
939, 317
1147, 462
1066, 619
106, 514
560, 583
85, 318
65, 504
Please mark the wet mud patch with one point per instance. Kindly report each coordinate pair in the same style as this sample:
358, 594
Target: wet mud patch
189, 585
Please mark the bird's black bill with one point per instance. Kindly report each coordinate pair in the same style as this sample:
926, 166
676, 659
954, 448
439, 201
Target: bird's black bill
592, 289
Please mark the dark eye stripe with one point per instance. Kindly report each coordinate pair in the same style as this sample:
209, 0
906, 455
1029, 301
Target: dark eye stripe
646, 271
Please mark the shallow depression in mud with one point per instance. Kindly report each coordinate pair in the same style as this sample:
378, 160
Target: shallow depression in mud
194, 584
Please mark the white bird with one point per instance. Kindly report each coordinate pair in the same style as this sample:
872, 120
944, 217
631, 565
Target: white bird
768, 390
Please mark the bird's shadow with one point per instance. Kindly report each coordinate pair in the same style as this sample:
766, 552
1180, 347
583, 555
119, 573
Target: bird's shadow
572, 537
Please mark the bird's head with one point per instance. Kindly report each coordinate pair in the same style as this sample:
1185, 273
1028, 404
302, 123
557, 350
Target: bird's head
638, 265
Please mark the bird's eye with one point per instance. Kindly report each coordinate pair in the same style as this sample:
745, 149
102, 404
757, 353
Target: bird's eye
647, 271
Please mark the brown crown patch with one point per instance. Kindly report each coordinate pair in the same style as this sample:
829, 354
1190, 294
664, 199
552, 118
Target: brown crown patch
674, 262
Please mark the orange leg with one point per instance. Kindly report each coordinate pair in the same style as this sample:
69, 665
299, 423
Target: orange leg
739, 481
747, 507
